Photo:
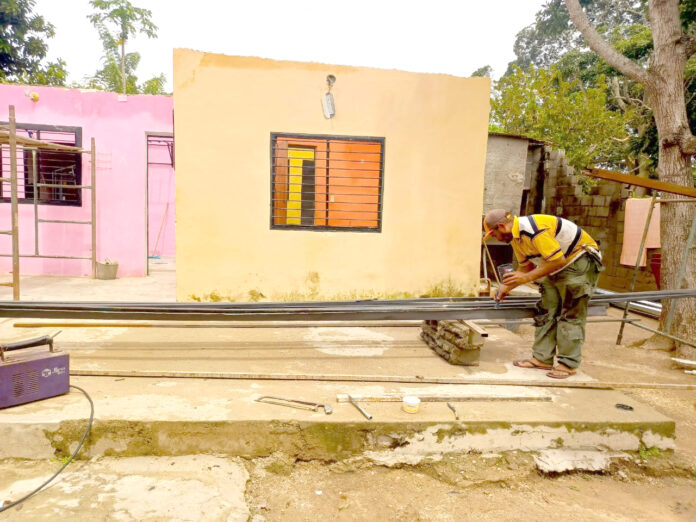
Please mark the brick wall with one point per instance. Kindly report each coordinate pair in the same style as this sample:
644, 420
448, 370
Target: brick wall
600, 212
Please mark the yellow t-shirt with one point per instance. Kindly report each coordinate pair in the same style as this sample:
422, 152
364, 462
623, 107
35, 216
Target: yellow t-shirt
540, 238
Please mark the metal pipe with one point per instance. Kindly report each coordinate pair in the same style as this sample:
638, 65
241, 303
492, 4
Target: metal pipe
36, 203
58, 185
682, 273
663, 334
619, 338
93, 171
14, 205
64, 221
46, 257
548, 383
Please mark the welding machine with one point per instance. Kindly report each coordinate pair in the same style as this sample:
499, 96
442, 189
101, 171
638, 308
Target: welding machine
32, 375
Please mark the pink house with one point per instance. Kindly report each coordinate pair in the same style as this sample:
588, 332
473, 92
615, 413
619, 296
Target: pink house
135, 179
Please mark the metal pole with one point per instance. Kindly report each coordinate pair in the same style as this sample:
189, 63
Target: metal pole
682, 273
619, 338
93, 160
495, 272
14, 204
658, 332
36, 202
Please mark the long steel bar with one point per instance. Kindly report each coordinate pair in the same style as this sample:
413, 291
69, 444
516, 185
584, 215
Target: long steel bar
619, 337
473, 308
14, 205
93, 194
682, 272
663, 334
513, 302
64, 221
35, 191
46, 256
549, 383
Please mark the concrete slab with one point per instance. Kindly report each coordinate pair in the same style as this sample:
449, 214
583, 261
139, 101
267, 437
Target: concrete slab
157, 416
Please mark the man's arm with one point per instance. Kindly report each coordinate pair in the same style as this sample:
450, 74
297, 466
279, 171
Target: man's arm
524, 275
515, 279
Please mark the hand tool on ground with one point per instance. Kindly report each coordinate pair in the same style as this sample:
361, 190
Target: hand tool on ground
295, 403
360, 409
451, 407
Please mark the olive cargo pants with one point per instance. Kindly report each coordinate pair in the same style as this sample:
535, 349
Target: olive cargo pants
562, 313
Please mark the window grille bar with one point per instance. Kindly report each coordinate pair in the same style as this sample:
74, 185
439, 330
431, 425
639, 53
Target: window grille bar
372, 203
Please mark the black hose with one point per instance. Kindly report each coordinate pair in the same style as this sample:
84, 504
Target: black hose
77, 450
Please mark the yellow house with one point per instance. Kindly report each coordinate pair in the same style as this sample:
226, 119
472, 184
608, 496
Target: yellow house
312, 181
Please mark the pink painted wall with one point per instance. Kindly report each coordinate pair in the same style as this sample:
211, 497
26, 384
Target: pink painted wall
119, 125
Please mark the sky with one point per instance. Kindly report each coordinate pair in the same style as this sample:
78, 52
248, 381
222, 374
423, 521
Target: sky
439, 36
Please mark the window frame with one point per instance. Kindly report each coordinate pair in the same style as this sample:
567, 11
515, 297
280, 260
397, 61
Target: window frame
77, 131
380, 204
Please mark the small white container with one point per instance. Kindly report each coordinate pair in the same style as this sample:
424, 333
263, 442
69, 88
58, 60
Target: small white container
410, 404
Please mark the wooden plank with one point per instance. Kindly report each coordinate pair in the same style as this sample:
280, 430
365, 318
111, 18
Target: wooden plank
476, 328
662, 186
398, 397
589, 385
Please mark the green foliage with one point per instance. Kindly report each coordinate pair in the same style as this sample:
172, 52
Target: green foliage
552, 34
541, 104
646, 453
23, 47
483, 72
117, 21
553, 41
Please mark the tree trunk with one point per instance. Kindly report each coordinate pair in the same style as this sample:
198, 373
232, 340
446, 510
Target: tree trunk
666, 94
123, 63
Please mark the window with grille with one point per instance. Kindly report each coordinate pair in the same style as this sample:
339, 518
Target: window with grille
326, 182
60, 170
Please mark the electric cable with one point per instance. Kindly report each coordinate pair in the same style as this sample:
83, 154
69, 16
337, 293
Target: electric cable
77, 450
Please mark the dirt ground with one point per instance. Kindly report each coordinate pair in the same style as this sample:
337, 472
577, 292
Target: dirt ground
648, 486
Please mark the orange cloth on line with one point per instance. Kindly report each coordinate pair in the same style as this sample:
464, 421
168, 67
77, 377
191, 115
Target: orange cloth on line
634, 224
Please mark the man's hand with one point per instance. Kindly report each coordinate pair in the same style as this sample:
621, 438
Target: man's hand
515, 279
502, 291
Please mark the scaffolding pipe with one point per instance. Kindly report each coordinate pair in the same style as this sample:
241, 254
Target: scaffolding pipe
14, 204
93, 170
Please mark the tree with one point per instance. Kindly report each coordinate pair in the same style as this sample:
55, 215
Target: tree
552, 35
541, 104
23, 47
117, 21
483, 72
674, 43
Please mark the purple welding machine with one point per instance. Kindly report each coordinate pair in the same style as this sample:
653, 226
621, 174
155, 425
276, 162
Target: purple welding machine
31, 375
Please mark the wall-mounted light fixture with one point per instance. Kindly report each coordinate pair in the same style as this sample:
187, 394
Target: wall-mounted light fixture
327, 101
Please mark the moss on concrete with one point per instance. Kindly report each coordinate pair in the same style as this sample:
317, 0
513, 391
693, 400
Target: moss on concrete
327, 441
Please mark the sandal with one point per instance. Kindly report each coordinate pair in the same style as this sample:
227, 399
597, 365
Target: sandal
530, 365
560, 373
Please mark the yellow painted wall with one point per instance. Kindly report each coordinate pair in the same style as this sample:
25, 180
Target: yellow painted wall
435, 130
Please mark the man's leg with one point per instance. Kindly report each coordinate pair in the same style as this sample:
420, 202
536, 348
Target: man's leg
545, 320
576, 284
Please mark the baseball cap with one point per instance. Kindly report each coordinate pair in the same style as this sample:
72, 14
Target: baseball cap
494, 218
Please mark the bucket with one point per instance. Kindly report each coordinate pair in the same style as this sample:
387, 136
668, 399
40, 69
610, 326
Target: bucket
411, 404
106, 270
